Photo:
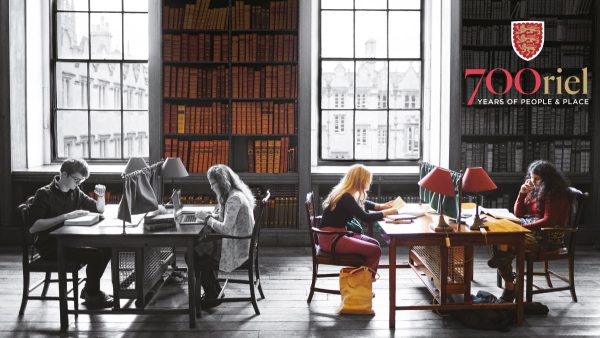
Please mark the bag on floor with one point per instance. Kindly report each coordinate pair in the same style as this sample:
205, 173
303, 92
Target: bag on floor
356, 288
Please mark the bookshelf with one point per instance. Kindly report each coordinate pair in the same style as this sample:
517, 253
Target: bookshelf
505, 137
230, 94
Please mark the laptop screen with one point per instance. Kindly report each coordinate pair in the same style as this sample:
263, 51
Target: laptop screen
176, 200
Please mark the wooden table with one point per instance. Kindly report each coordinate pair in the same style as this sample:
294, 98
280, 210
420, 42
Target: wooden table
419, 233
109, 234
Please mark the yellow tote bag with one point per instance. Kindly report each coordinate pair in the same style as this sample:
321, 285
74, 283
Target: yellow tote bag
356, 288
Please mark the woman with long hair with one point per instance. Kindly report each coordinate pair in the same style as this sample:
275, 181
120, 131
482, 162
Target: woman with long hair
234, 216
348, 199
543, 201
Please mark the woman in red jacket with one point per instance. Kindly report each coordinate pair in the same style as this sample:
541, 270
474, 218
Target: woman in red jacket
543, 202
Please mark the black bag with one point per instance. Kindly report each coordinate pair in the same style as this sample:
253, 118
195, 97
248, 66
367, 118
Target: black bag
485, 319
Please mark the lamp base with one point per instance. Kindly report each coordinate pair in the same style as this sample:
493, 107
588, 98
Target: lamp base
478, 223
441, 226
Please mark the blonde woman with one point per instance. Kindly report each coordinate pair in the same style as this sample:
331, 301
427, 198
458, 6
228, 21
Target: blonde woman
343, 203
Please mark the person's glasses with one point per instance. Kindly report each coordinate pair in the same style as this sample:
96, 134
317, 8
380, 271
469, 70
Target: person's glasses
77, 180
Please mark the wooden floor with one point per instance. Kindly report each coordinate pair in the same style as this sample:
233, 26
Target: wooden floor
284, 313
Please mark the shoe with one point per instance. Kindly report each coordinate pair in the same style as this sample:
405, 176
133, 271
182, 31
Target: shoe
508, 296
500, 258
209, 303
98, 301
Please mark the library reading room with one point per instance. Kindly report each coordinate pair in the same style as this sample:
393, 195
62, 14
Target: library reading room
299, 168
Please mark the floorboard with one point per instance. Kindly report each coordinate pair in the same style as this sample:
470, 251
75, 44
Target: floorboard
286, 275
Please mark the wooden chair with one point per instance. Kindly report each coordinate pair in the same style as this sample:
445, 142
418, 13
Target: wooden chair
33, 262
251, 265
320, 257
557, 244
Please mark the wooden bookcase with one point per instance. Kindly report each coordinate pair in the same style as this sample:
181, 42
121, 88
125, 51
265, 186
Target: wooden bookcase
505, 138
230, 94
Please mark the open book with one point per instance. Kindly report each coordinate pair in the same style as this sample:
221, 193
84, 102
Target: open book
89, 219
500, 213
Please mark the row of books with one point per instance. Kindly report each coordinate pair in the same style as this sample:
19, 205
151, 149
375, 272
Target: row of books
493, 121
193, 82
201, 120
559, 121
109, 197
569, 156
193, 198
495, 201
197, 156
555, 30
509, 9
263, 118
203, 47
271, 156
265, 82
493, 157
506, 59
199, 15
278, 15
550, 57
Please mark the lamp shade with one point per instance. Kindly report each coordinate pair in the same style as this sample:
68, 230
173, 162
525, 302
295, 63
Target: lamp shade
477, 180
135, 163
438, 180
173, 167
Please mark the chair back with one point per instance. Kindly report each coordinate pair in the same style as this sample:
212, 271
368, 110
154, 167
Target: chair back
29, 252
578, 202
313, 220
260, 210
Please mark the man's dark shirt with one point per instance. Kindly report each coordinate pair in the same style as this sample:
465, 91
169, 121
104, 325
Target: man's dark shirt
346, 209
50, 202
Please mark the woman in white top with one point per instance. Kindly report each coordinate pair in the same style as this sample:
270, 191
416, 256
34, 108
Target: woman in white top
234, 216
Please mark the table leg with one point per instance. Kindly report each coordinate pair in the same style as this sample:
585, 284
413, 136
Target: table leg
114, 270
392, 286
191, 283
520, 278
62, 286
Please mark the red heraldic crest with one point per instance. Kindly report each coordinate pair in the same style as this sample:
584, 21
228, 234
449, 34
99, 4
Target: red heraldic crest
527, 38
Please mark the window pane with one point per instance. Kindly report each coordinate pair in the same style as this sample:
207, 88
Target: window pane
106, 36
337, 84
105, 81
371, 34
405, 4
405, 134
72, 35
336, 34
71, 5
104, 5
405, 34
371, 81
135, 86
71, 85
71, 134
135, 5
106, 134
336, 4
135, 126
405, 84
135, 32
336, 134
371, 4
370, 141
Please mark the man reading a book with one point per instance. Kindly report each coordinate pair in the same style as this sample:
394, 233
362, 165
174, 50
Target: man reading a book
62, 200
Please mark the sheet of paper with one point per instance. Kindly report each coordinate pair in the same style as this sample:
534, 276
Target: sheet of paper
398, 203
500, 213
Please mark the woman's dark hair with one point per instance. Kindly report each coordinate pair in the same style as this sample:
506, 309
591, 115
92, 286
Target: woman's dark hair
75, 165
553, 182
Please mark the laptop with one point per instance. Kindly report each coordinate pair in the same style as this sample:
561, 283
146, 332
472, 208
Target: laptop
184, 215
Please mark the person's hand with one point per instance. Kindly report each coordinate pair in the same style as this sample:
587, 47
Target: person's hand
385, 205
76, 213
526, 187
100, 189
201, 214
390, 211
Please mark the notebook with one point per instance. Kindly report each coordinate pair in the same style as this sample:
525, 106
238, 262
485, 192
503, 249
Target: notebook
89, 219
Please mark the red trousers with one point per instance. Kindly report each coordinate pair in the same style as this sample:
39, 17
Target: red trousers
358, 244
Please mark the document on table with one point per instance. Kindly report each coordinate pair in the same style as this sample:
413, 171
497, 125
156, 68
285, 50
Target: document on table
500, 213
